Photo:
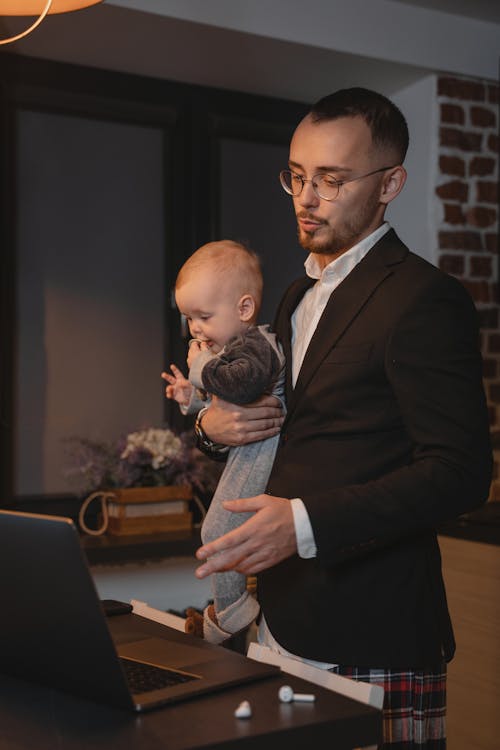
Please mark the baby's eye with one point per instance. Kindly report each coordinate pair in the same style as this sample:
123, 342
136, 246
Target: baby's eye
205, 317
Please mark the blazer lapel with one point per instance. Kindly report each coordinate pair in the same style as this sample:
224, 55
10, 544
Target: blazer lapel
283, 325
344, 304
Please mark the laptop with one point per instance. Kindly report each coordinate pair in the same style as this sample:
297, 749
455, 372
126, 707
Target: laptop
54, 631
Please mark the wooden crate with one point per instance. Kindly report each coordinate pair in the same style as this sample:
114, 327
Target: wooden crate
149, 510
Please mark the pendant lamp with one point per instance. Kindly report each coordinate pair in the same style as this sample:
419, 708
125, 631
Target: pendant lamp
38, 8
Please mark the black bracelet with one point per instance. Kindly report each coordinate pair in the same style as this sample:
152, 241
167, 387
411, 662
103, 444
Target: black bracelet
217, 451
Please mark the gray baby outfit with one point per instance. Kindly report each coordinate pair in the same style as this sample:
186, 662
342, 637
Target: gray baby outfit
249, 366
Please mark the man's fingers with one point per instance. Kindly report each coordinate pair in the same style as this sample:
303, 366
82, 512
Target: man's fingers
227, 559
251, 436
263, 434
245, 504
262, 413
253, 564
218, 563
234, 538
262, 541
176, 371
239, 542
266, 402
242, 559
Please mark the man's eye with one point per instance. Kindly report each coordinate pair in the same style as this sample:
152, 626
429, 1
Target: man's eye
329, 180
296, 179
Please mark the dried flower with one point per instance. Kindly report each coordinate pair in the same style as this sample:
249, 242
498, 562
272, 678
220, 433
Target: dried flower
146, 458
159, 447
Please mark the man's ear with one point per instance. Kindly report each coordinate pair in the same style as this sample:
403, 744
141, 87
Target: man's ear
392, 184
246, 308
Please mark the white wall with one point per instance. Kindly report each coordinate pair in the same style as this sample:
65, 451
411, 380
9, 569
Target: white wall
410, 214
382, 29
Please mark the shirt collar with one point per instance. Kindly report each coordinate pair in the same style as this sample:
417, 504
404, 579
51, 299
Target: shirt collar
343, 265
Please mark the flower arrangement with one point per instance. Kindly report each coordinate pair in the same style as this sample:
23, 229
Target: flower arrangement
147, 458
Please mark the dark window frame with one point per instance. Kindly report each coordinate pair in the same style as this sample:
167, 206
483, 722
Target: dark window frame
193, 119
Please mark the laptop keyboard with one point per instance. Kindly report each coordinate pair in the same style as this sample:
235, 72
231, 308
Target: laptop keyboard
142, 678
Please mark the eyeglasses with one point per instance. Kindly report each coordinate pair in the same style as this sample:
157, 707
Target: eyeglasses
325, 185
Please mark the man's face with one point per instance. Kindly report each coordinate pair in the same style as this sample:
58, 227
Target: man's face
342, 148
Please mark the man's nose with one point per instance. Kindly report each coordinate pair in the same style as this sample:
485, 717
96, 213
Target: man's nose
307, 195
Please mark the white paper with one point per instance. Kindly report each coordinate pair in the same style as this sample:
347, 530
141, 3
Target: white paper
164, 618
372, 695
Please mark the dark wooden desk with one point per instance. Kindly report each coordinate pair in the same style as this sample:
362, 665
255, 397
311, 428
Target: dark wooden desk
45, 719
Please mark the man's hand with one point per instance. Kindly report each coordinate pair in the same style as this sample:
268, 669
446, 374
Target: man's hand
230, 424
267, 538
178, 388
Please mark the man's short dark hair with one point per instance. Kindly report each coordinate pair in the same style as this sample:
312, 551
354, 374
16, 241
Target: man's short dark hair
386, 122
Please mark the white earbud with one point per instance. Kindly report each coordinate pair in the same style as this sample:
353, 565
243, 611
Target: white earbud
286, 695
244, 710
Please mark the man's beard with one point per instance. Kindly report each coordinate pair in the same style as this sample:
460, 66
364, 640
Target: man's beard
336, 241
343, 236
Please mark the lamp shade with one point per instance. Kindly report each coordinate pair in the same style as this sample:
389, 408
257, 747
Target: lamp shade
35, 7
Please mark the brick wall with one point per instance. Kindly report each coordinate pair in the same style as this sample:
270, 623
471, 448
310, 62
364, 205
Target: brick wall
468, 216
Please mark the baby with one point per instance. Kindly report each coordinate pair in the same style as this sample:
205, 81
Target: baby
219, 291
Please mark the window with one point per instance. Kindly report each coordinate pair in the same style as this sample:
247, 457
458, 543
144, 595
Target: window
109, 182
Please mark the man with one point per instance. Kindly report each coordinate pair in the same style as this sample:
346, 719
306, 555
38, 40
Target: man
385, 437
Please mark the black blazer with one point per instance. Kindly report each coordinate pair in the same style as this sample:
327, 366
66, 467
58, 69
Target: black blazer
386, 436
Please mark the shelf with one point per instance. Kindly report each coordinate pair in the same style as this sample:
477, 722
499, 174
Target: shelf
120, 549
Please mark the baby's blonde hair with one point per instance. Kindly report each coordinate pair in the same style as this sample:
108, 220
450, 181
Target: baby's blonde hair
238, 266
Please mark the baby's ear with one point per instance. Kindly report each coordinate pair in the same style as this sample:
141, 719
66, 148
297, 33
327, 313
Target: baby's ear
246, 308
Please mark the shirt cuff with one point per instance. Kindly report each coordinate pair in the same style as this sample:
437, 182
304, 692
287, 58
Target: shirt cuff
306, 544
194, 404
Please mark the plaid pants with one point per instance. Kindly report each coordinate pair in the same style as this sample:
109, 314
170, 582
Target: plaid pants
414, 710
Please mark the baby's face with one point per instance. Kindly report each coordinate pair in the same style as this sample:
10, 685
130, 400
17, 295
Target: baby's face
210, 308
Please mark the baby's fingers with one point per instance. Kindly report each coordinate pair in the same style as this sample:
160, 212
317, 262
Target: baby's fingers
176, 371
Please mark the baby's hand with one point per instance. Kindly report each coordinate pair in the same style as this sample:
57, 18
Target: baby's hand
195, 348
179, 387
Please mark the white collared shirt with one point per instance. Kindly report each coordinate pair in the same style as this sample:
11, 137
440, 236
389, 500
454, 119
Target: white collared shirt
304, 321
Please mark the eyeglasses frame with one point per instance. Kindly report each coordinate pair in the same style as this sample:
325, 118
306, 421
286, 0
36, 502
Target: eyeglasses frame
320, 174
